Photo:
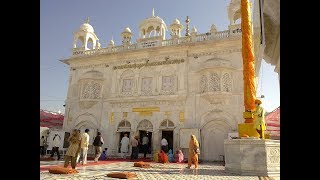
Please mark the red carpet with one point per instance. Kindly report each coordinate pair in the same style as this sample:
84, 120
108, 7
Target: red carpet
100, 162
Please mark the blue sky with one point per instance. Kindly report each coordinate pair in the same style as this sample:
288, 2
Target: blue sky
60, 18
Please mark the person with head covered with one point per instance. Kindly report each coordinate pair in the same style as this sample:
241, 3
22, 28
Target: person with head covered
259, 120
193, 152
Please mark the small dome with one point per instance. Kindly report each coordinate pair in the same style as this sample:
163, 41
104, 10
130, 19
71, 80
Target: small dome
153, 20
111, 42
213, 26
176, 21
86, 28
194, 29
127, 29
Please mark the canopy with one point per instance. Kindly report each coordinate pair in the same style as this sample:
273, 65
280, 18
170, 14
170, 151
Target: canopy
273, 123
50, 119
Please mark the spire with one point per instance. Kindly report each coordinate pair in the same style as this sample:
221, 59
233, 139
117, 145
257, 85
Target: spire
87, 20
187, 26
152, 12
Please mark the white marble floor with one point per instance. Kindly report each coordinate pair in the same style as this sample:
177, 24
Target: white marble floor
157, 172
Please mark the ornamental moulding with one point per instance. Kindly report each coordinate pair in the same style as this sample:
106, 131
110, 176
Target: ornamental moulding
215, 52
151, 103
146, 64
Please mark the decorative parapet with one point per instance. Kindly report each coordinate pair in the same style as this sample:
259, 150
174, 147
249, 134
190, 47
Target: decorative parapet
156, 42
157, 63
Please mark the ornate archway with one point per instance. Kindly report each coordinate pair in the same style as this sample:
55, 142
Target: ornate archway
145, 125
213, 134
124, 126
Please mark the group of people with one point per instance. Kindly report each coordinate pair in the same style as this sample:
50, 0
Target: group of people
78, 145
178, 157
125, 143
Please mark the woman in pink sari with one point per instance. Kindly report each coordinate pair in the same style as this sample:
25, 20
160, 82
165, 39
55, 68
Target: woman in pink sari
178, 156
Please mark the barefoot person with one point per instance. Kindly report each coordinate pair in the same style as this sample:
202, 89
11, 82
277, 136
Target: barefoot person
193, 152
73, 149
259, 122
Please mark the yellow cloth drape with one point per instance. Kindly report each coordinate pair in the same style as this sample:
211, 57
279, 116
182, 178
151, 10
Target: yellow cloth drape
193, 157
248, 57
259, 120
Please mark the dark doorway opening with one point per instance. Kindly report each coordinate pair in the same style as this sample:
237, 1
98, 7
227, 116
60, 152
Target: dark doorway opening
149, 135
121, 136
169, 137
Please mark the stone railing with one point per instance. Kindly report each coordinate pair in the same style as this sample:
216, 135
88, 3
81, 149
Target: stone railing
158, 43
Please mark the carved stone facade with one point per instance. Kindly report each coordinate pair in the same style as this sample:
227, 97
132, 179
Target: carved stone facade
161, 89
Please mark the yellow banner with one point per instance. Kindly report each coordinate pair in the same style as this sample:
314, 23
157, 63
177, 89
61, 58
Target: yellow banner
146, 109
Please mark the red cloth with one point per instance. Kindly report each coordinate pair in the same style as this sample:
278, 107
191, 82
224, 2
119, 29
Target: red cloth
141, 164
163, 157
62, 170
122, 175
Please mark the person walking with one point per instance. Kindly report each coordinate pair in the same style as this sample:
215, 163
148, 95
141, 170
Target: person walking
56, 142
84, 147
42, 143
164, 145
145, 141
73, 149
98, 141
134, 144
124, 146
193, 152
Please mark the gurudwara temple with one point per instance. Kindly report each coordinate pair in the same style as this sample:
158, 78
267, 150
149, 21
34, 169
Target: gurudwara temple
161, 85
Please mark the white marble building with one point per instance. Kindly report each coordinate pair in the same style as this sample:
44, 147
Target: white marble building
192, 82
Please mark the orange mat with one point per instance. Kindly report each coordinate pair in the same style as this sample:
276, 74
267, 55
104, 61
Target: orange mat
122, 175
62, 170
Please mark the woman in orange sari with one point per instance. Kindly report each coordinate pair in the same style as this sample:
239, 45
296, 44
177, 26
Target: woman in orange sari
193, 152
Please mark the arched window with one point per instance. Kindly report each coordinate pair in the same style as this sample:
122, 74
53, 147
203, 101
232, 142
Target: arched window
203, 84
214, 84
226, 82
145, 125
91, 90
124, 126
166, 124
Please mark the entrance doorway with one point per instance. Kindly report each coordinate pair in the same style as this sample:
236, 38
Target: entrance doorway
121, 136
169, 137
143, 133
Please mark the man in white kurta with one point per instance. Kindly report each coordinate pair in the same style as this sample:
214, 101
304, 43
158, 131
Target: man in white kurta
124, 146
84, 147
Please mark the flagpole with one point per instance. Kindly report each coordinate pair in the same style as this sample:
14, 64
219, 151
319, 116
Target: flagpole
249, 88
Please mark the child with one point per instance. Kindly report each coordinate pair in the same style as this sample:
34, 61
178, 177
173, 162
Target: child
103, 155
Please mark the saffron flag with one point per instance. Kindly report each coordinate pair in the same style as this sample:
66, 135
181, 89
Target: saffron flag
248, 57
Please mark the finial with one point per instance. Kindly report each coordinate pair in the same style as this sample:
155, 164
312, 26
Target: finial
152, 12
87, 20
187, 26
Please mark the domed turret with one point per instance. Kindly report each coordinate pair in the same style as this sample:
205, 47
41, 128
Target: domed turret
234, 11
111, 43
194, 30
213, 29
86, 34
126, 36
176, 28
152, 26
86, 28
127, 30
